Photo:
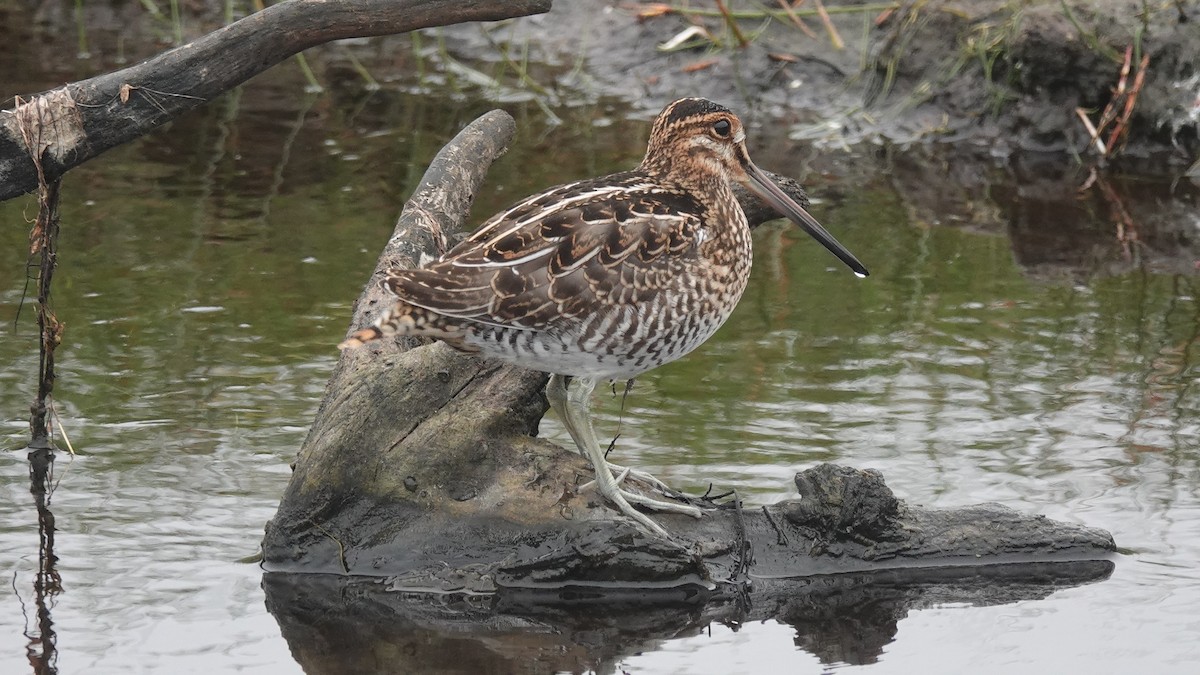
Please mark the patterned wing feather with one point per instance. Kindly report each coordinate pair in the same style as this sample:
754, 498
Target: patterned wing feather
549, 261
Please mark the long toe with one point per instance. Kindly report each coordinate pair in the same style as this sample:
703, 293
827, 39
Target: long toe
642, 519
659, 505
615, 494
622, 472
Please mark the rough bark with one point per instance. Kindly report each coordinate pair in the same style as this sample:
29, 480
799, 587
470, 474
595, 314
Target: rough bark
422, 465
88, 117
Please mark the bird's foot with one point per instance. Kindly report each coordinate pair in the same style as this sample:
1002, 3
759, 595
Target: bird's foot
620, 473
618, 500
618, 496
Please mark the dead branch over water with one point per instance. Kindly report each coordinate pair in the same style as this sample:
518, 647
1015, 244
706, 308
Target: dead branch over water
88, 117
43, 246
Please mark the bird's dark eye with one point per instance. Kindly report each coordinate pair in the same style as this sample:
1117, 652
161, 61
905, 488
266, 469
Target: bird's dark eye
722, 128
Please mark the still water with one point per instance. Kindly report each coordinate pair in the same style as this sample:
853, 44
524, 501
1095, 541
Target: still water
207, 271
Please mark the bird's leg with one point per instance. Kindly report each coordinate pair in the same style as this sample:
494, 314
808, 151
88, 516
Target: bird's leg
556, 393
621, 471
575, 404
571, 400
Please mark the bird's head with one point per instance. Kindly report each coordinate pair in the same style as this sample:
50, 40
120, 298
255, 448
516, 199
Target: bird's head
698, 143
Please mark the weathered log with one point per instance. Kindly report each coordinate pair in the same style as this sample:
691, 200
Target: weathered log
83, 119
422, 465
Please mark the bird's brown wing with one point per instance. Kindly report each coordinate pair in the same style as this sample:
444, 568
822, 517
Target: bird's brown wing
552, 259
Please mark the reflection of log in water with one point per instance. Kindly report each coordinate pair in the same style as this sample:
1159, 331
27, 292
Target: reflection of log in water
338, 624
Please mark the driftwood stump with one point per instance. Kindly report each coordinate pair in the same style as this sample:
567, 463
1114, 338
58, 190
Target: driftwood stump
423, 466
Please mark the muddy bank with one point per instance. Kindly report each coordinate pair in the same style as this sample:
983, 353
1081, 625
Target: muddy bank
991, 77
1000, 77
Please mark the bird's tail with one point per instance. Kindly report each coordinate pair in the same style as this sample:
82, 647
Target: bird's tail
394, 321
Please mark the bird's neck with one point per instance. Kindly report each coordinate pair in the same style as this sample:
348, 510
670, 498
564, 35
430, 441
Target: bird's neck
728, 240
707, 186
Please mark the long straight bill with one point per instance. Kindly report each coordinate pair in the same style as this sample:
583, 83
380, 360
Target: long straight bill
766, 188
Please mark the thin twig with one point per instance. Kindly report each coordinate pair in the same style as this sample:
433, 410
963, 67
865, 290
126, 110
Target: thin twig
745, 552
787, 8
61, 429
1092, 132
33, 122
781, 537
729, 21
1121, 130
1110, 111
834, 38
341, 548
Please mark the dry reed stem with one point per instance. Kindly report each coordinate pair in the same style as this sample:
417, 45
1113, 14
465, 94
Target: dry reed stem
795, 18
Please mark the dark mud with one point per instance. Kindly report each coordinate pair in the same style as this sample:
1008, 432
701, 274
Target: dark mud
996, 76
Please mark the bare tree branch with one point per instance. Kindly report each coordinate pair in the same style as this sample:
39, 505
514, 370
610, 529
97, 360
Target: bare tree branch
97, 114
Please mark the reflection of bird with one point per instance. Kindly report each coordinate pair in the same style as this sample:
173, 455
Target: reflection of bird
605, 278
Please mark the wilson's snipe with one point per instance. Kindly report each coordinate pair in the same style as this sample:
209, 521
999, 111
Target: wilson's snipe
605, 278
